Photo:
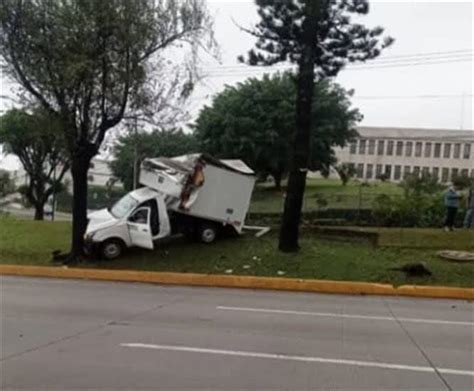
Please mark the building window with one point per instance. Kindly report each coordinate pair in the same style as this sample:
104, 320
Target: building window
416, 171
378, 171
467, 151
352, 166
428, 149
369, 171
390, 145
398, 173
406, 171
454, 173
445, 175
437, 150
447, 151
371, 147
362, 144
399, 148
457, 151
436, 172
465, 172
472, 173
425, 172
418, 148
409, 149
360, 170
380, 147
388, 171
353, 148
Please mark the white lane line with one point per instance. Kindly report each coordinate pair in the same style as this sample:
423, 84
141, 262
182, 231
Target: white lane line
346, 316
308, 359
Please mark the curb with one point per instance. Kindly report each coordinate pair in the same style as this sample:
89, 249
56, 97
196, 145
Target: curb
249, 282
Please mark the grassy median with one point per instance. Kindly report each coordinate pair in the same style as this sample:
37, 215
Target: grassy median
31, 243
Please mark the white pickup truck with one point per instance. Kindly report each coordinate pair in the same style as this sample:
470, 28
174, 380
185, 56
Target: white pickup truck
193, 194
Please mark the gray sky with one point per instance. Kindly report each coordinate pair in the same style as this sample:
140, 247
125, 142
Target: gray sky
409, 96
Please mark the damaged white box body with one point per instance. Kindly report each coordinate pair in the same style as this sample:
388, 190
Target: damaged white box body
201, 186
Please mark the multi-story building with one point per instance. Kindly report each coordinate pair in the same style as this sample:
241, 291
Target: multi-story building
396, 152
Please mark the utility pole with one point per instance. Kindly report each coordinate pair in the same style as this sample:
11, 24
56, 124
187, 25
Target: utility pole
53, 207
462, 109
135, 155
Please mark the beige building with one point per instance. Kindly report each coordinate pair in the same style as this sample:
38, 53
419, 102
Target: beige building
397, 152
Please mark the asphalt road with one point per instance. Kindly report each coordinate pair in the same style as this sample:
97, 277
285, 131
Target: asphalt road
76, 335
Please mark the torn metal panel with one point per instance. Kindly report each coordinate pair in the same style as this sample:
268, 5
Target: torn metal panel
260, 230
202, 186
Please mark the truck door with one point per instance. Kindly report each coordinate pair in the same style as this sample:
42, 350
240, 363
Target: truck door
139, 228
165, 226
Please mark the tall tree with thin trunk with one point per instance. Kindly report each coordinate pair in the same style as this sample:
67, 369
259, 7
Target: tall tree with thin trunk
321, 38
89, 63
34, 139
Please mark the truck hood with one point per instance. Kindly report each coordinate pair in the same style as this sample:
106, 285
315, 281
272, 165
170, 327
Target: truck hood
99, 220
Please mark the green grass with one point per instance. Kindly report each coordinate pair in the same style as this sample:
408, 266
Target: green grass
352, 196
29, 242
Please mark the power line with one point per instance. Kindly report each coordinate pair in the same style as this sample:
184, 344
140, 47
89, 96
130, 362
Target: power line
369, 97
412, 96
378, 61
258, 71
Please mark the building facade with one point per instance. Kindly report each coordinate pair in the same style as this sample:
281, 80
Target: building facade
396, 152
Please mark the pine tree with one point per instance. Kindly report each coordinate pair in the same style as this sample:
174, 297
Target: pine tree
321, 37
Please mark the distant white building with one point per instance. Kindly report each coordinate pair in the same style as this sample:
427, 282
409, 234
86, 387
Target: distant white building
397, 152
99, 173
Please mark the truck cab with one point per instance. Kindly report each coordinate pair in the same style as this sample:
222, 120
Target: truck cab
137, 219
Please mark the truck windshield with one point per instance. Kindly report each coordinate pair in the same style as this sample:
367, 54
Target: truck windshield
123, 206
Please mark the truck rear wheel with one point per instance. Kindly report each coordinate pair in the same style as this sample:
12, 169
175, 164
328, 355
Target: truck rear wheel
207, 232
111, 249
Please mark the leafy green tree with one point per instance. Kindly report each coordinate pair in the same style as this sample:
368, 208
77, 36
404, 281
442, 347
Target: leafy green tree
462, 181
35, 139
92, 63
255, 120
321, 37
345, 172
7, 185
142, 145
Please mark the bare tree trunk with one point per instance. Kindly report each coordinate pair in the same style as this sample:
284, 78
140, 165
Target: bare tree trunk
79, 170
277, 177
289, 231
39, 211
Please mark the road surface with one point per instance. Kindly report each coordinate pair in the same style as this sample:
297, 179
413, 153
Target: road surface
75, 335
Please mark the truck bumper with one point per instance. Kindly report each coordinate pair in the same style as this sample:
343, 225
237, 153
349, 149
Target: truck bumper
90, 247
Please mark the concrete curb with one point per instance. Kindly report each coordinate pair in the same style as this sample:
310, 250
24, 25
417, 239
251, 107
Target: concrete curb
249, 282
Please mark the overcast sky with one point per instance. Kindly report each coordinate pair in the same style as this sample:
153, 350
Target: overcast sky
435, 95
408, 96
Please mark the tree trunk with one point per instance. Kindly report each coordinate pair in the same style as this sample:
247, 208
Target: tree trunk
39, 211
79, 170
277, 177
289, 231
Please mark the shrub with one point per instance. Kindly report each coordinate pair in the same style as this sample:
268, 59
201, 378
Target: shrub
415, 210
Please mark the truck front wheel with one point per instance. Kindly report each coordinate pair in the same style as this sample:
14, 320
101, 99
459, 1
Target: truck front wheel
207, 232
111, 249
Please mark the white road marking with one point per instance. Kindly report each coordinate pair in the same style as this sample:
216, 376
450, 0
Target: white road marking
346, 316
307, 359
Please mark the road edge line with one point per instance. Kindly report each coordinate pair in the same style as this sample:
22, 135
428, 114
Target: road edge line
248, 282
